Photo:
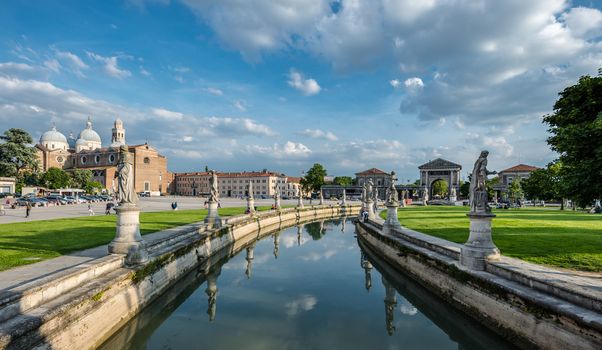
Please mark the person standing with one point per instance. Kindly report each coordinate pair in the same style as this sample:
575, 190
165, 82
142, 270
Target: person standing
90, 211
27, 209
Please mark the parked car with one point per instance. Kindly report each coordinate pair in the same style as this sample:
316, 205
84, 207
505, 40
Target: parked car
144, 194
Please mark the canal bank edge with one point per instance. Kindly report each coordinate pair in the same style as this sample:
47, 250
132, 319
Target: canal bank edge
524, 308
83, 308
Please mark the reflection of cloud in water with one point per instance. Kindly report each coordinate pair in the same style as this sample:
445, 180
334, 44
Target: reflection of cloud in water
313, 256
302, 303
289, 241
407, 308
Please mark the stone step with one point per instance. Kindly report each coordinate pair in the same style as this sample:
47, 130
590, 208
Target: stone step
28, 328
23, 297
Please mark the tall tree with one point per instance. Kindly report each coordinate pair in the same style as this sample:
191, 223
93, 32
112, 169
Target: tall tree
440, 188
314, 178
576, 128
55, 178
80, 177
515, 190
343, 181
16, 154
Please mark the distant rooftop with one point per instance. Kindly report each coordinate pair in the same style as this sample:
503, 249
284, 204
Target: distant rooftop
372, 171
439, 163
521, 168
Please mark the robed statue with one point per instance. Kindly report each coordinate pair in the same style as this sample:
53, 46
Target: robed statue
125, 178
214, 197
392, 195
478, 185
370, 191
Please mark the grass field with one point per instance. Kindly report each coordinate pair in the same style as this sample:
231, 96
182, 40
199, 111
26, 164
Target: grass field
30, 242
546, 236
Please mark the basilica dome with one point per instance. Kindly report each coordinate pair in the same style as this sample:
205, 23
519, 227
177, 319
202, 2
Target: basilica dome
88, 138
53, 139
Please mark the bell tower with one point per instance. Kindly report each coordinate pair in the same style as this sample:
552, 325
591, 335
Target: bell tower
118, 133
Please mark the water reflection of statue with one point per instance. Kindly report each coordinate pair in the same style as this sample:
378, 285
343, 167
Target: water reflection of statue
390, 303
367, 266
214, 197
211, 292
478, 185
249, 259
125, 178
276, 244
299, 234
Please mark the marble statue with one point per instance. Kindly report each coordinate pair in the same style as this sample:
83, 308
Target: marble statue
392, 196
125, 178
250, 189
370, 190
478, 185
214, 197
364, 193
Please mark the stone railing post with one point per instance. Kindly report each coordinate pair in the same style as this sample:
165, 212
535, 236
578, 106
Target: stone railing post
392, 220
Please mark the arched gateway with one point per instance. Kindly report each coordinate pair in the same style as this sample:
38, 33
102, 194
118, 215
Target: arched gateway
441, 169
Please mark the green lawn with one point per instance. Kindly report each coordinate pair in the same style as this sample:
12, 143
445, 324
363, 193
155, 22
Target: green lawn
29, 242
547, 236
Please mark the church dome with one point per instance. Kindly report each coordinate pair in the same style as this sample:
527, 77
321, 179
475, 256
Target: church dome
88, 134
53, 139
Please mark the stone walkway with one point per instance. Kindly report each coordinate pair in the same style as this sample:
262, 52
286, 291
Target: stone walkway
28, 273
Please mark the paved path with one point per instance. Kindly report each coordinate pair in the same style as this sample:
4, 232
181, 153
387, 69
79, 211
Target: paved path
146, 205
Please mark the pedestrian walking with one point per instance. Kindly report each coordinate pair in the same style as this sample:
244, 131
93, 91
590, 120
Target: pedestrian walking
27, 209
90, 211
108, 208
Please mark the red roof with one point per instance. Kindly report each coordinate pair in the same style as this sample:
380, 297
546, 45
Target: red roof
521, 168
292, 179
372, 171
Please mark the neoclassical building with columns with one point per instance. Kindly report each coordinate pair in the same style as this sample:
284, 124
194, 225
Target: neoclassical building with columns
86, 152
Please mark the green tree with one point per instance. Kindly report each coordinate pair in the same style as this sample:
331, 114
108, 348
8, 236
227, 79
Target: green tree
343, 181
16, 154
80, 177
55, 178
465, 189
515, 190
314, 230
490, 183
440, 188
576, 128
314, 178
93, 187
546, 184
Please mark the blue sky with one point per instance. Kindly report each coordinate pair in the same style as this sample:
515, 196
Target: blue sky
241, 85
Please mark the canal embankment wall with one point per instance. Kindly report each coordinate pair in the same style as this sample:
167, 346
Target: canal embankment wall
532, 306
82, 307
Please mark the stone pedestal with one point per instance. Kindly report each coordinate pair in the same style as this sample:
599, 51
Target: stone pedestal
213, 218
480, 246
277, 203
370, 209
127, 239
251, 205
300, 202
392, 220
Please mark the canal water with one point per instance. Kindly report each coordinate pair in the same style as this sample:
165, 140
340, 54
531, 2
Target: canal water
308, 287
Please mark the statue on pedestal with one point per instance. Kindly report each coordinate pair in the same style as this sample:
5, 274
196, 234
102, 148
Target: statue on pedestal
370, 190
392, 196
478, 185
250, 190
125, 178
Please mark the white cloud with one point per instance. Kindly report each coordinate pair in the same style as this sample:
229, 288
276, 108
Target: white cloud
167, 115
287, 150
306, 86
110, 66
583, 22
395, 83
15, 68
319, 134
53, 65
240, 105
71, 60
214, 91
145, 72
413, 83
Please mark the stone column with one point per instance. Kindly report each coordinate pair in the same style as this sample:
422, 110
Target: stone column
300, 201
127, 239
392, 220
251, 204
344, 199
370, 209
213, 218
321, 198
